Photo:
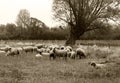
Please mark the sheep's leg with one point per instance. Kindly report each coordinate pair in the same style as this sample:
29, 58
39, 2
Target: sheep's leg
80, 56
73, 57
59, 56
65, 57
52, 56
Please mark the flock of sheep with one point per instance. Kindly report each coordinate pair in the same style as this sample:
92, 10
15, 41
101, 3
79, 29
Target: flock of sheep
60, 51
41, 50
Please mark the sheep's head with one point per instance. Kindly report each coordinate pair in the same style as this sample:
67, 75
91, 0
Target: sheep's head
93, 64
40, 52
62, 47
54, 50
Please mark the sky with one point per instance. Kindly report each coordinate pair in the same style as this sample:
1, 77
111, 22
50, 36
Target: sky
40, 9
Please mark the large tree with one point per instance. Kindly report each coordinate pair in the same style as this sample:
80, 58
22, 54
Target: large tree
84, 15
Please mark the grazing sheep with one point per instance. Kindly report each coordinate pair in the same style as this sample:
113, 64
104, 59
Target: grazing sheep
12, 52
29, 49
72, 54
52, 55
69, 48
80, 53
60, 53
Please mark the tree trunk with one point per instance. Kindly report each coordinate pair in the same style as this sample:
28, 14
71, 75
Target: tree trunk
75, 33
71, 40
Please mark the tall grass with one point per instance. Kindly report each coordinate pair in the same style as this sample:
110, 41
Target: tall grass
27, 69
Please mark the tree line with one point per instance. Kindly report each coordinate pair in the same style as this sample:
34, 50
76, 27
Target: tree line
12, 31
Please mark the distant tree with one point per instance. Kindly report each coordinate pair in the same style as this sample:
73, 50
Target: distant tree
23, 18
84, 15
23, 21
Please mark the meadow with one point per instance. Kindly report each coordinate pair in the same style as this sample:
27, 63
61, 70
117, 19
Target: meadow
25, 68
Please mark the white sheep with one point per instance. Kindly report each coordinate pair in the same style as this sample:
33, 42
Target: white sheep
12, 52
29, 49
60, 53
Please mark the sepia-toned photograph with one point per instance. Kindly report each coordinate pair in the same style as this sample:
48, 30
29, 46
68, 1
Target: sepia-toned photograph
59, 41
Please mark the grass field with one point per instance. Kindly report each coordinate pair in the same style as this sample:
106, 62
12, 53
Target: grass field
28, 69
